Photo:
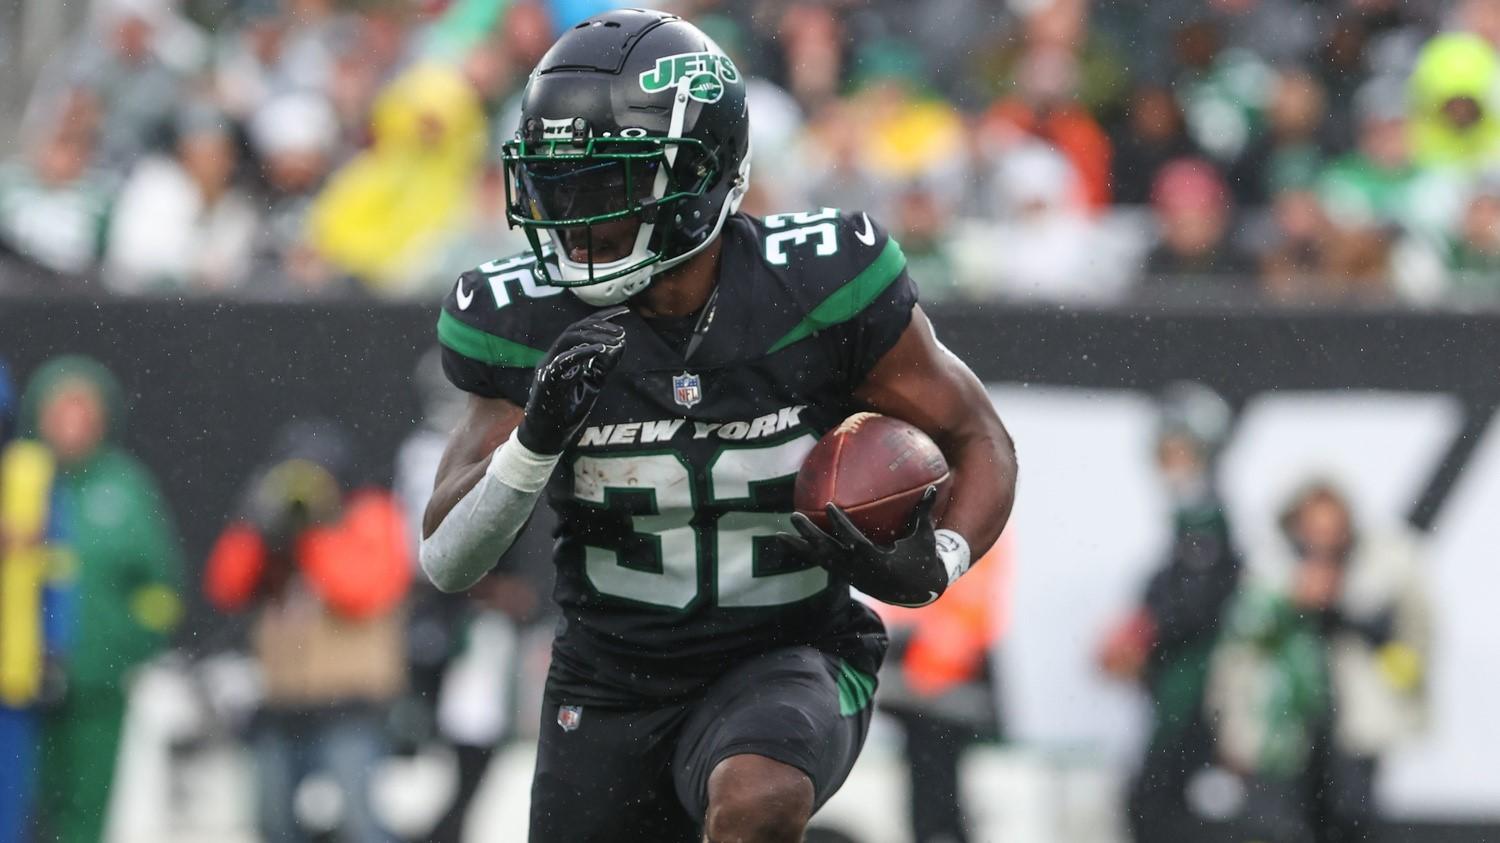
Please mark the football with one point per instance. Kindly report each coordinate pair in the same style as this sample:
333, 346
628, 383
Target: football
875, 468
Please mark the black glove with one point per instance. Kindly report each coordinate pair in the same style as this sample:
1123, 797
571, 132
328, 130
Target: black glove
568, 382
908, 573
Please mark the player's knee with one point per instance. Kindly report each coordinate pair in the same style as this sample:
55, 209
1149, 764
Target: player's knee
753, 799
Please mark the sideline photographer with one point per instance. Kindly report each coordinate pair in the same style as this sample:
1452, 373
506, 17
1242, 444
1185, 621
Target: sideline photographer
324, 571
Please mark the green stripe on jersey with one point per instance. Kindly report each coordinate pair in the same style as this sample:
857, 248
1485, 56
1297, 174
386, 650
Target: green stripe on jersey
848, 300
483, 346
855, 689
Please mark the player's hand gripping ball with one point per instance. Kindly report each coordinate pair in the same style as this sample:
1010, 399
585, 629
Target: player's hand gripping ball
866, 499
568, 382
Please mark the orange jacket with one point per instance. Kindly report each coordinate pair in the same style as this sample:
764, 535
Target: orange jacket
359, 567
1073, 132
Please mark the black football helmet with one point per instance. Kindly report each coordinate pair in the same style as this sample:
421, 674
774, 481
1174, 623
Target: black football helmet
633, 148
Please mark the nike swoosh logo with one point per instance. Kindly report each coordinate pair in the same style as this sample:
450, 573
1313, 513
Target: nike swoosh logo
867, 236
464, 298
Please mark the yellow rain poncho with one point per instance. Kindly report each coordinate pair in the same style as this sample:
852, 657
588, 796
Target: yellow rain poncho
385, 211
1452, 66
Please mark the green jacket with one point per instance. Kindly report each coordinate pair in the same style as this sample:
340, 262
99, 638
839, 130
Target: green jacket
1269, 689
129, 563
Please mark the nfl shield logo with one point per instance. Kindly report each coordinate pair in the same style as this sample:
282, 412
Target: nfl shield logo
687, 389
568, 716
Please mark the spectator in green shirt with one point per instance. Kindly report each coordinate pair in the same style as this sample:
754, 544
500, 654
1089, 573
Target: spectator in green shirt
1379, 183
126, 589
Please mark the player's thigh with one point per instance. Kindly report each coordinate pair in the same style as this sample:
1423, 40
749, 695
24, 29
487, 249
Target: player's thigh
796, 705
602, 776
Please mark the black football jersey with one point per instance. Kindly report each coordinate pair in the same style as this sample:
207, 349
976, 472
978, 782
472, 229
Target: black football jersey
668, 569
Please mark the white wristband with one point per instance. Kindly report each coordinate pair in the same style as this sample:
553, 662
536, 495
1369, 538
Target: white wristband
953, 550
521, 468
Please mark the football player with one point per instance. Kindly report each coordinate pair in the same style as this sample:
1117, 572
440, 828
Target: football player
661, 364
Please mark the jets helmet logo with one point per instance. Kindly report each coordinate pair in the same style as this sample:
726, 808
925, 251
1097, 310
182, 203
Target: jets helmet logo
687, 389
707, 74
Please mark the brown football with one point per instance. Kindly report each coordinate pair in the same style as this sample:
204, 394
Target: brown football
875, 468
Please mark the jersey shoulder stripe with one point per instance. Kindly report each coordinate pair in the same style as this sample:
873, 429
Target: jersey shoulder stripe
851, 298
499, 314
496, 323
483, 346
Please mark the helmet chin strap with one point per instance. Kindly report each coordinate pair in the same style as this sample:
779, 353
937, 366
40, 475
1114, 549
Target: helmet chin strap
619, 289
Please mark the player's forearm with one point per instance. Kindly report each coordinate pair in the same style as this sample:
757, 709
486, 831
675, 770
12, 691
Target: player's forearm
984, 469
451, 487
480, 526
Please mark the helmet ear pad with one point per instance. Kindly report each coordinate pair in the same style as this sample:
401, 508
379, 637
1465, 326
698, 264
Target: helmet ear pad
689, 223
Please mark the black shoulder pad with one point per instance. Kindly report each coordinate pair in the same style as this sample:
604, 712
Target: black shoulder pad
499, 314
497, 323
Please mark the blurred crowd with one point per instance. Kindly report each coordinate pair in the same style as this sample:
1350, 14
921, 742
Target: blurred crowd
1279, 675
1056, 150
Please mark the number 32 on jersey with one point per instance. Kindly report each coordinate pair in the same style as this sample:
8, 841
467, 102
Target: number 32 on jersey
732, 541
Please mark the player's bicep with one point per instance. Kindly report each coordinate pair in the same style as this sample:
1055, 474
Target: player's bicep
921, 382
486, 424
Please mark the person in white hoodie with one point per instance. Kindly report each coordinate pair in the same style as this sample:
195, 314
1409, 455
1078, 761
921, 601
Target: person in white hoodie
1321, 670
181, 224
1043, 243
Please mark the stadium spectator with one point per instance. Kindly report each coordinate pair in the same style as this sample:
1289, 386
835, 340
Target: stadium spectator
1045, 107
832, 152
1291, 139
923, 223
907, 132
1321, 671
371, 48
1099, 76
1154, 134
126, 589
1257, 87
181, 224
323, 568
1044, 244
135, 65
1222, 87
1194, 215
1167, 642
271, 52
810, 37
1453, 103
54, 203
1378, 183
1308, 257
381, 217
1462, 267
294, 139
35, 588
1481, 17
